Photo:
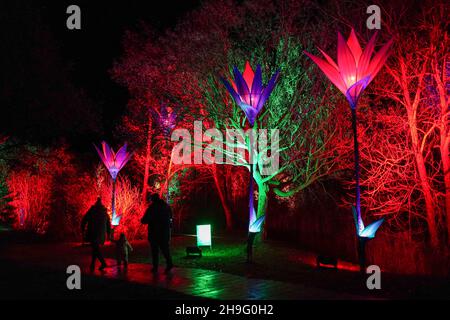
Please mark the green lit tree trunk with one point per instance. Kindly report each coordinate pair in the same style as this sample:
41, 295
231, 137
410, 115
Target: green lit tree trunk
261, 207
263, 190
251, 201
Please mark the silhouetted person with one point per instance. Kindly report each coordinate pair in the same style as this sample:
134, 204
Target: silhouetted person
158, 217
123, 247
98, 226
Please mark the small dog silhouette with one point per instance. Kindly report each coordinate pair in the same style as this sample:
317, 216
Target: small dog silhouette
326, 261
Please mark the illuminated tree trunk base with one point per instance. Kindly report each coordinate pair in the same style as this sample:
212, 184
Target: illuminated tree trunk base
261, 210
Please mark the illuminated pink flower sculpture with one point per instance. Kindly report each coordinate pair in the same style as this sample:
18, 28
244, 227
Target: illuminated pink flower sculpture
354, 70
248, 92
114, 162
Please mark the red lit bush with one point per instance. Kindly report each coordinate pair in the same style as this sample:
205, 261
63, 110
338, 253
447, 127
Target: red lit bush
30, 195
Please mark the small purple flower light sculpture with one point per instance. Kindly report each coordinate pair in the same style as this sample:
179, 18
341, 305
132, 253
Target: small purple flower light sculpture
114, 162
248, 92
167, 119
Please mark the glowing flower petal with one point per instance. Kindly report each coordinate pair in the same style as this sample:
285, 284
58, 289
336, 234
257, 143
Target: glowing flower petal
267, 91
255, 226
365, 232
248, 75
358, 221
232, 90
330, 61
355, 90
248, 91
242, 87
346, 62
330, 71
250, 112
379, 59
115, 219
354, 69
354, 46
257, 86
113, 162
371, 229
364, 60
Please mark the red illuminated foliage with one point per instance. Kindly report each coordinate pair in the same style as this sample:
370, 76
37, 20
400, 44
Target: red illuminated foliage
36, 188
30, 198
128, 206
404, 129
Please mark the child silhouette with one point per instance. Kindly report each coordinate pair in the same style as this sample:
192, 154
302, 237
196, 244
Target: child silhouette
123, 247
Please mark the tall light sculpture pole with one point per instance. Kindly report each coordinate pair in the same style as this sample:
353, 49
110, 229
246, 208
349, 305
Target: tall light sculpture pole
250, 95
114, 162
351, 75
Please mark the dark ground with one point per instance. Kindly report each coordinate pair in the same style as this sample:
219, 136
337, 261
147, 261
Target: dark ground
38, 271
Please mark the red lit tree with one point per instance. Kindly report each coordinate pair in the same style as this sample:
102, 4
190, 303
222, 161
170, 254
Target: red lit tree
406, 150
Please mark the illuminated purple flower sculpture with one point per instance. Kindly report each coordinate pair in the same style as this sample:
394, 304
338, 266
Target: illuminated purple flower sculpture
114, 162
351, 75
167, 119
248, 92
250, 95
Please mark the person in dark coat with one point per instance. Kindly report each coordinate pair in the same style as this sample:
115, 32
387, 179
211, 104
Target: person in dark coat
158, 217
98, 227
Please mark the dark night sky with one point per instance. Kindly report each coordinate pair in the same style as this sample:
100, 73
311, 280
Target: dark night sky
92, 50
88, 53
